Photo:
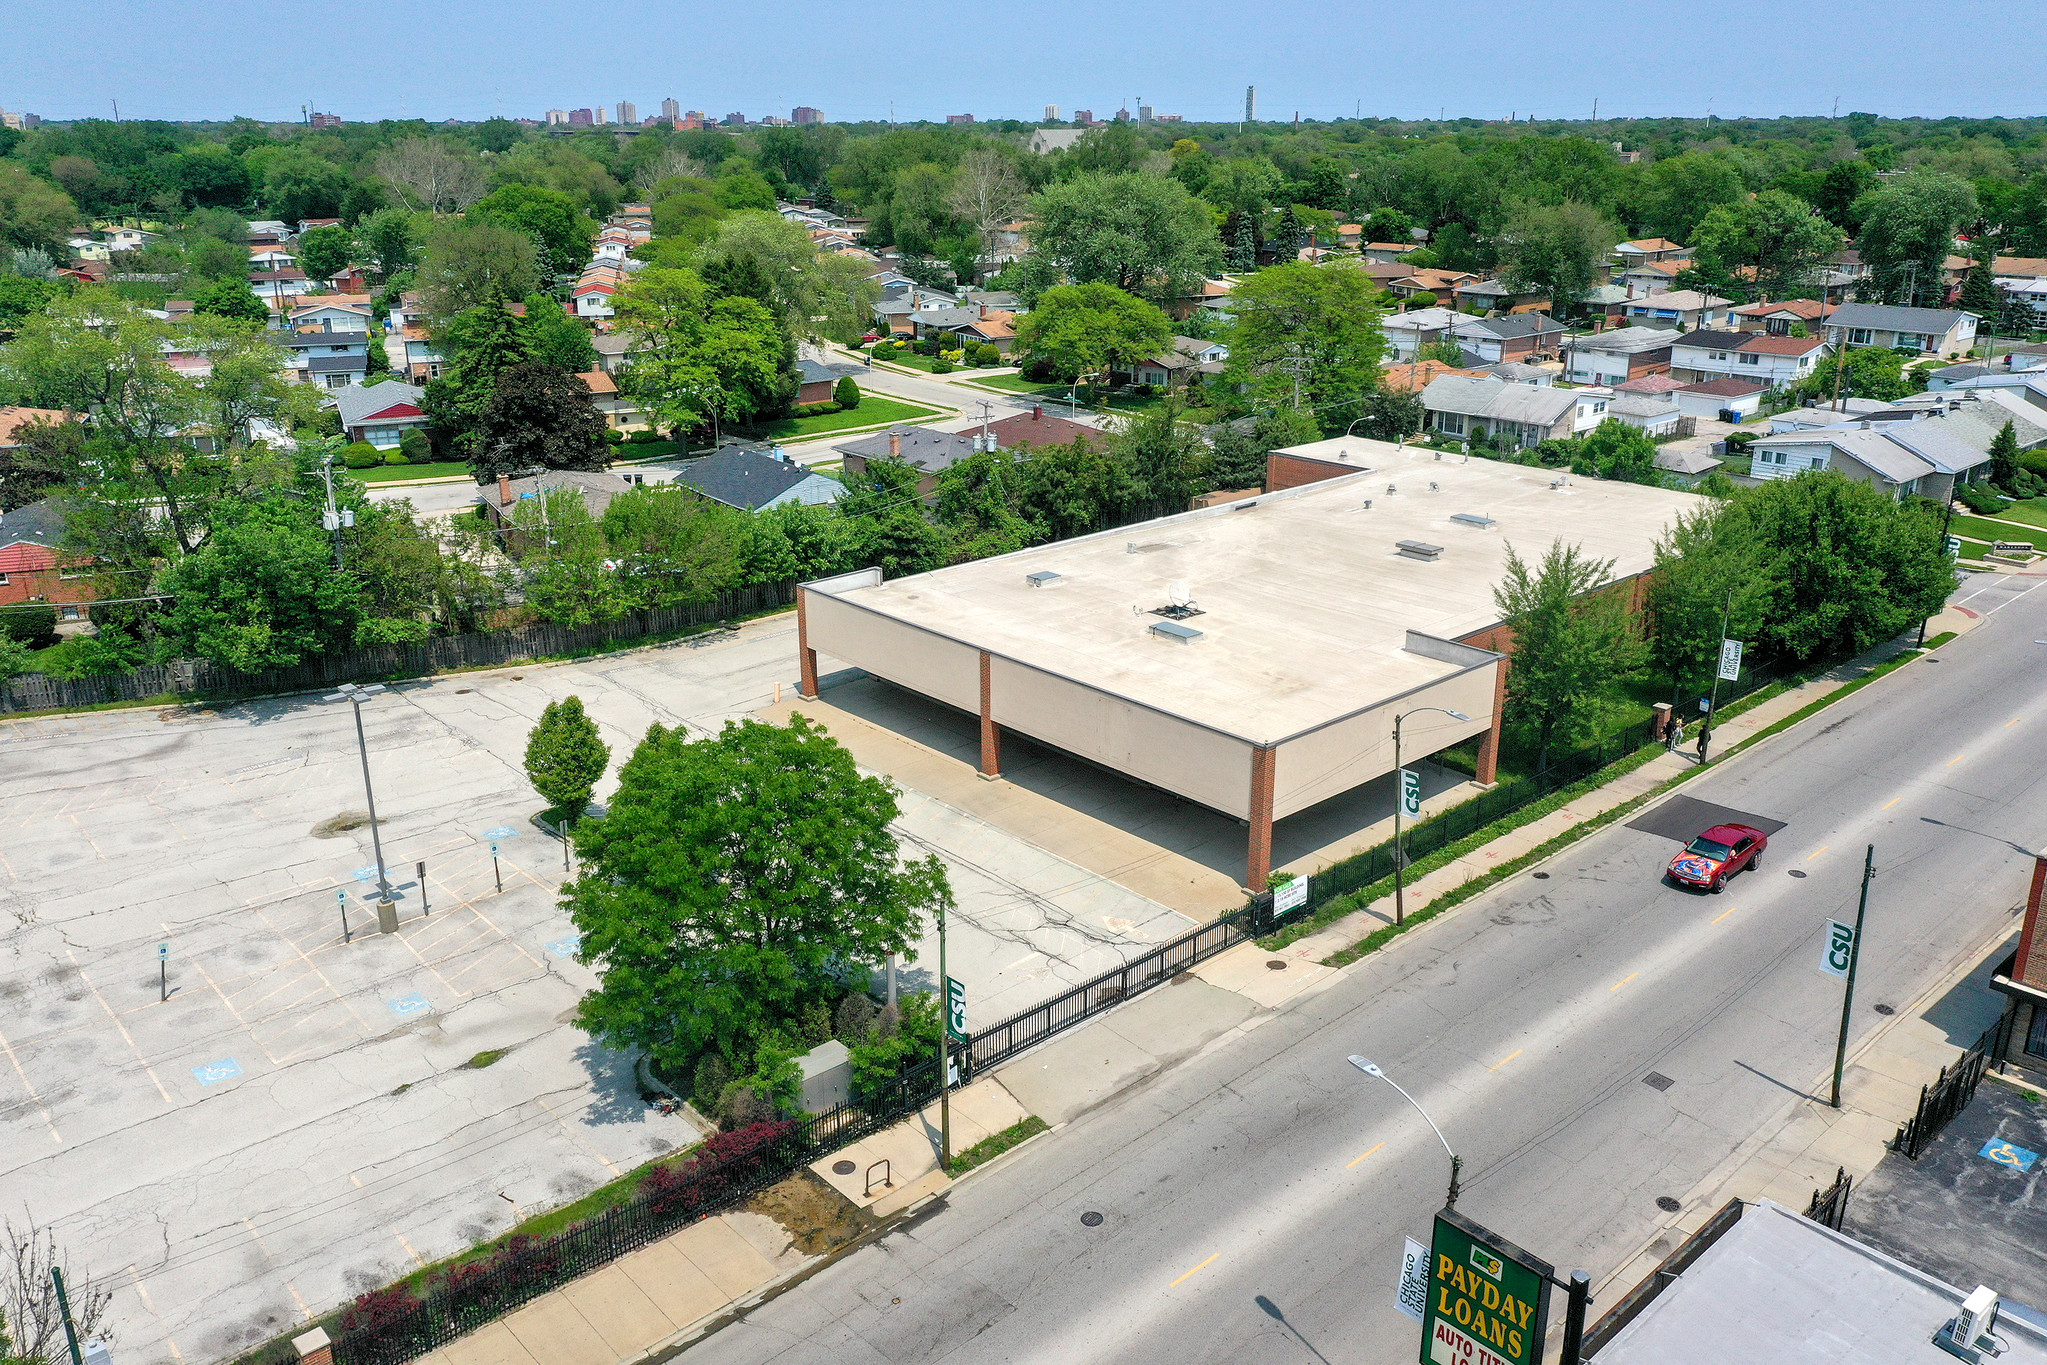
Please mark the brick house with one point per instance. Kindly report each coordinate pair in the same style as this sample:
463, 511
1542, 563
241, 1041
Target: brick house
35, 568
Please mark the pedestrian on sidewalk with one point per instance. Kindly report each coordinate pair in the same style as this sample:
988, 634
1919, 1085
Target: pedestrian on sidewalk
1674, 734
1705, 738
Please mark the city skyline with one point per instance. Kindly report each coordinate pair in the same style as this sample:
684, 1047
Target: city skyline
774, 56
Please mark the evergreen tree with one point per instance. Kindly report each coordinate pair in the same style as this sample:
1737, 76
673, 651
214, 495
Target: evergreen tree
2004, 460
565, 756
847, 393
481, 344
1981, 296
1243, 244
1287, 237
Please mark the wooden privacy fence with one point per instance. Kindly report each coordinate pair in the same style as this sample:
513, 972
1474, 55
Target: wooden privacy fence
198, 677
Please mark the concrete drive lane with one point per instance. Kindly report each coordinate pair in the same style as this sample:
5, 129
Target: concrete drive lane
1526, 1022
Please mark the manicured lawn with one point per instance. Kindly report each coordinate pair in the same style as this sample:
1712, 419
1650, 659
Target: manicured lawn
1980, 528
2033, 513
390, 473
1016, 383
873, 409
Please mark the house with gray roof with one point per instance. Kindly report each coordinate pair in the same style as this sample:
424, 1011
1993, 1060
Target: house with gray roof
1927, 331
1926, 456
924, 450
1518, 336
1617, 356
380, 413
1521, 415
1648, 413
745, 477
815, 382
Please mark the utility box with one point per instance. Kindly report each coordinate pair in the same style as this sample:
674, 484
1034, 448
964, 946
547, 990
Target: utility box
827, 1076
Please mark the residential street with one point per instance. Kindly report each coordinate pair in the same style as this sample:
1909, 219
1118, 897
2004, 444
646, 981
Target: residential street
1255, 1197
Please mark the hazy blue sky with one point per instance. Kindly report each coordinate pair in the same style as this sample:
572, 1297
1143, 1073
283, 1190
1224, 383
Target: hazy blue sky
469, 59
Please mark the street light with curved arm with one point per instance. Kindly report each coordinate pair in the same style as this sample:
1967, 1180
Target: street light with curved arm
1371, 1069
1399, 800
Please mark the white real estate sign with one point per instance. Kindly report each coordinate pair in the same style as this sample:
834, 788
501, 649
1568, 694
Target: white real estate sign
1730, 660
1290, 896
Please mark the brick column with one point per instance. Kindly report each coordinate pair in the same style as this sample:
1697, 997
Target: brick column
1260, 869
991, 733
806, 657
314, 1348
2030, 966
1489, 744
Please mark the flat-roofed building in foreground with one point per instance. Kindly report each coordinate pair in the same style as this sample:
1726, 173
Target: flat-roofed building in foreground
1250, 657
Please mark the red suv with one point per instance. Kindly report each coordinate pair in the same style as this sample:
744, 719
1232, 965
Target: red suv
1709, 860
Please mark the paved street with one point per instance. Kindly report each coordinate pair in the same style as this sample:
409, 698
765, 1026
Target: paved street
1254, 1198
301, 1120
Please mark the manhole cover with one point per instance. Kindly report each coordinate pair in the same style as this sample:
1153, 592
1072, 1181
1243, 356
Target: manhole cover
1885, 1009
843, 1168
1091, 1219
1542, 876
1273, 964
1793, 872
1656, 1080
463, 691
1667, 1204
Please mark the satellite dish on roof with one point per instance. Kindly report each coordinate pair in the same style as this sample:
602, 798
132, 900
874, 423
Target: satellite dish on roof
1177, 591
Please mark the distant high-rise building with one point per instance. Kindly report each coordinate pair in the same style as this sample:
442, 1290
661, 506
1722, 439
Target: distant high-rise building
671, 110
1122, 116
959, 118
693, 119
1083, 117
628, 113
1144, 113
803, 113
557, 117
19, 121
1051, 113
1250, 104
316, 119
735, 120
600, 115
580, 118
1171, 118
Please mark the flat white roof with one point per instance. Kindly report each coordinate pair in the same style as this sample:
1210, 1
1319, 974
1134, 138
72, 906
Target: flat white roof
1305, 598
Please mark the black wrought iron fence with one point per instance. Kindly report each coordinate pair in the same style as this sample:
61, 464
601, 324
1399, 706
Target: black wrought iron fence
1830, 1205
1461, 821
1946, 1097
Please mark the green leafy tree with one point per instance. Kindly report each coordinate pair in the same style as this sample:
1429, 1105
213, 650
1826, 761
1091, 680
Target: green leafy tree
1390, 416
1558, 251
1678, 192
230, 299
481, 344
1908, 232
565, 757
702, 359
33, 212
1615, 450
1841, 189
262, 593
325, 252
391, 239
1572, 643
554, 338
22, 296
674, 547
1083, 329
468, 264
1312, 326
733, 880
1772, 246
559, 229
1164, 456
1708, 570
538, 417
569, 579
815, 296
1072, 489
1871, 372
1144, 234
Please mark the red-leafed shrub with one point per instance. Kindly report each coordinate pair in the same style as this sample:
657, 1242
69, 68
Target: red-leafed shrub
378, 1309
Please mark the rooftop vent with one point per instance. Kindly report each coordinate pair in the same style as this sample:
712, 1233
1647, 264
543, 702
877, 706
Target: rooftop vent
1390, 489
1174, 631
1432, 486
1041, 578
1415, 549
1472, 519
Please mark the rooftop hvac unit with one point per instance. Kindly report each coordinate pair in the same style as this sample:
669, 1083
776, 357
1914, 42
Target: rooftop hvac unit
1972, 1333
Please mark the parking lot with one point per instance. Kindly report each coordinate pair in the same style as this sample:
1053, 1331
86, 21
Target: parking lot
304, 1116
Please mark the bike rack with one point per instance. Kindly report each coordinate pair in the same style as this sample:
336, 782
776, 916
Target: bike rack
887, 1181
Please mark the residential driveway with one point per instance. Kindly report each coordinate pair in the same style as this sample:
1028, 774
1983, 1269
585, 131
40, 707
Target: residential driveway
300, 1121
430, 499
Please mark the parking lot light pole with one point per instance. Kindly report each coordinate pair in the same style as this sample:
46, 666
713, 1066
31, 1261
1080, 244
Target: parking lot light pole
1456, 1162
1399, 800
356, 696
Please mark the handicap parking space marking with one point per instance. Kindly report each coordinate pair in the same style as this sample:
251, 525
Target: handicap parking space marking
409, 1006
566, 947
363, 874
2006, 1154
501, 832
226, 1069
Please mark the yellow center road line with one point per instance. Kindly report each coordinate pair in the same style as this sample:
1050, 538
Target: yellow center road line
2013, 721
1725, 913
1190, 1274
1892, 802
1508, 1058
1816, 852
1956, 759
1361, 1158
1623, 981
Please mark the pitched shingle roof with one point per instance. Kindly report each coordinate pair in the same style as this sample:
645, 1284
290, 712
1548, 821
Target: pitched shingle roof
1727, 386
1529, 404
358, 401
39, 523
1890, 318
751, 480
922, 448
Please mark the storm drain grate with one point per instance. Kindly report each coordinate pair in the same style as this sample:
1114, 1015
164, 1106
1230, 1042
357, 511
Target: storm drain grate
1667, 1204
1885, 1009
1091, 1219
1656, 1080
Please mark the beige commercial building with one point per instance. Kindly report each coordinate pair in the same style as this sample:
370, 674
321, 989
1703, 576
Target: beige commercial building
1251, 657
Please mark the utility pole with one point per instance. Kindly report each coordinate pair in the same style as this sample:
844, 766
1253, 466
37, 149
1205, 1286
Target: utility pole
64, 1306
944, 1053
334, 519
1854, 957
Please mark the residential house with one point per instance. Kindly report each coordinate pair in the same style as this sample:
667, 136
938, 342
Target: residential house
13, 420
614, 350
1602, 303
2030, 295
1927, 331
1980, 413
1351, 234
1039, 428
1650, 277
423, 358
380, 413
1778, 319
279, 288
1682, 310
900, 303
337, 313
1442, 283
984, 325
591, 296
2018, 267
326, 356
1418, 328
1726, 399
1646, 413
129, 238
1514, 372
1772, 360
1054, 139
1649, 249
269, 230
1176, 368
747, 478
1388, 253
308, 224
1491, 296
1651, 385
1518, 414
816, 382
1414, 376
1925, 458
1618, 356
501, 500
924, 450
1520, 336
620, 413
1213, 301
272, 258
1836, 412
34, 566
1950, 375
1685, 468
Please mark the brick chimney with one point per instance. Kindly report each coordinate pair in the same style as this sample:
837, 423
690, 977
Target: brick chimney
984, 310
895, 445
2030, 966
505, 491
